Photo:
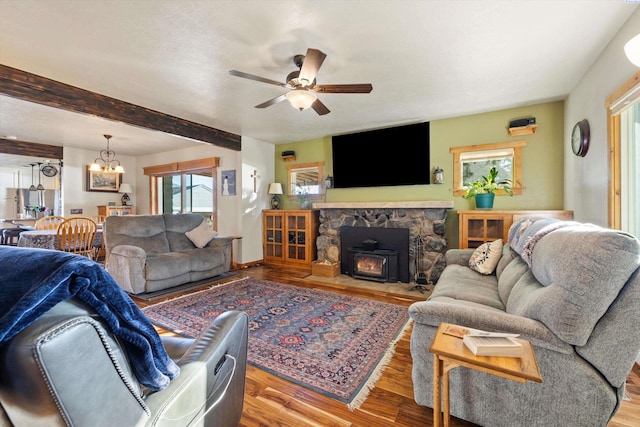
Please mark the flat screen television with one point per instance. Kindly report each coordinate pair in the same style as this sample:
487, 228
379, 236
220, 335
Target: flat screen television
382, 157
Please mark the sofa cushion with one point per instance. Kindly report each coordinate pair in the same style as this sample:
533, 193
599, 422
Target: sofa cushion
485, 258
176, 226
580, 268
204, 259
461, 283
509, 276
508, 255
170, 264
201, 235
145, 231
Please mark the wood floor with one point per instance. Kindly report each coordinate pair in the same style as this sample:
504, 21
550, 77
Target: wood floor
273, 402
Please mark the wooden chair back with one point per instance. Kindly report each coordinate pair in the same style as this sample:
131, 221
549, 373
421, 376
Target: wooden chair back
76, 234
49, 222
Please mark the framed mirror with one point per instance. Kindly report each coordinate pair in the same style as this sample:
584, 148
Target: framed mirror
473, 161
305, 179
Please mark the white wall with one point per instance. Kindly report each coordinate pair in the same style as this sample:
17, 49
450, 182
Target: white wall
256, 156
586, 178
74, 195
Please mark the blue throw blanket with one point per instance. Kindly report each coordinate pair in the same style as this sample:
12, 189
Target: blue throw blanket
34, 280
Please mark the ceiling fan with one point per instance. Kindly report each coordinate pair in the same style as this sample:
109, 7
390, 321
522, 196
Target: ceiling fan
302, 84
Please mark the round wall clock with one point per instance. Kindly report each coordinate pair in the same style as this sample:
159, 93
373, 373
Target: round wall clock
580, 138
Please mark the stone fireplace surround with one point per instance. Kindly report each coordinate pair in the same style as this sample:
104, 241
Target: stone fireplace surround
425, 220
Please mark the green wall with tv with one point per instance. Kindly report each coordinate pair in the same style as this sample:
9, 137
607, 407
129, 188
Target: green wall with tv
542, 162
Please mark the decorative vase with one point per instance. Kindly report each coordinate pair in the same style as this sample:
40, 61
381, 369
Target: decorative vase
484, 201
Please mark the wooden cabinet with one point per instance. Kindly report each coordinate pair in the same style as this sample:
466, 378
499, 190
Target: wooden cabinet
116, 210
478, 227
289, 236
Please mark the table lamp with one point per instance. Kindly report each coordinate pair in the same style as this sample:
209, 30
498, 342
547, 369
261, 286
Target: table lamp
275, 188
125, 188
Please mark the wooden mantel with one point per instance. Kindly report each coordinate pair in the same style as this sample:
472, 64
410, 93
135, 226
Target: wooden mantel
425, 204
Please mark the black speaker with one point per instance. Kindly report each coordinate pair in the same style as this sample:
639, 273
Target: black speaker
522, 122
288, 153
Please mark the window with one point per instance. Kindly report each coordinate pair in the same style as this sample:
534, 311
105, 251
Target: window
186, 192
185, 187
474, 161
623, 109
629, 172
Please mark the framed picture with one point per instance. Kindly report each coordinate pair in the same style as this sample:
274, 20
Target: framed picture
101, 181
228, 187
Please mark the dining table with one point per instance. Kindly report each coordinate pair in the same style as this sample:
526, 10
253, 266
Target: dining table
46, 239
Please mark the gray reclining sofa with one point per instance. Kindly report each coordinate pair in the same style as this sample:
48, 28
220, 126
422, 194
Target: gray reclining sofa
148, 253
573, 290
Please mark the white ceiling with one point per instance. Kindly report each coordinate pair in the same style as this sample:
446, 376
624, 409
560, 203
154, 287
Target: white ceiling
426, 60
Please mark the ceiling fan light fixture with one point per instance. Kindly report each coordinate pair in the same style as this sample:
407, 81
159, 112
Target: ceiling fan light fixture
301, 99
632, 50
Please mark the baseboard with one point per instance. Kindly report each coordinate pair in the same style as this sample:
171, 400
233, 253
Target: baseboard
248, 264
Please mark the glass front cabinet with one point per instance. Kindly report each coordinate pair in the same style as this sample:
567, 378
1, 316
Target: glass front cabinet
481, 226
289, 236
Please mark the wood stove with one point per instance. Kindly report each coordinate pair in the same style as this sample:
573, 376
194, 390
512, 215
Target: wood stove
380, 265
392, 242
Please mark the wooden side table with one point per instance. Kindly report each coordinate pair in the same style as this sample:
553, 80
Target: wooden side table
449, 352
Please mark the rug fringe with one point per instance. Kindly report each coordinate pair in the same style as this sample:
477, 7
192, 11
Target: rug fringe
362, 395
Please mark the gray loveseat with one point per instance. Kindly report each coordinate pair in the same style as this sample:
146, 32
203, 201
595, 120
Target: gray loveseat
573, 290
148, 253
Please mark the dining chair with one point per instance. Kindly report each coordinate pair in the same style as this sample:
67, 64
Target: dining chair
76, 234
99, 252
49, 222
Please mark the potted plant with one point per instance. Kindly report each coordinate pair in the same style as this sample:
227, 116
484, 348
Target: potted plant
484, 189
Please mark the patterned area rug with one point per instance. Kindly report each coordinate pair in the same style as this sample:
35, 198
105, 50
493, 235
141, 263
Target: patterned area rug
334, 344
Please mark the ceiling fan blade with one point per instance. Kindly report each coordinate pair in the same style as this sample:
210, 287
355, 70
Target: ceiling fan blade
310, 66
256, 78
319, 107
348, 88
272, 101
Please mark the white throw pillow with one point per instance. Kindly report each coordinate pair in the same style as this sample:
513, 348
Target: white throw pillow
201, 235
485, 258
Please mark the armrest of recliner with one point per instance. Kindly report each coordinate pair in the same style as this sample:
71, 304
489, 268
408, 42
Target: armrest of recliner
433, 312
212, 377
126, 265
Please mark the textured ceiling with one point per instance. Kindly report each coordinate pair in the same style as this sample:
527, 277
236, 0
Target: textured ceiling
426, 60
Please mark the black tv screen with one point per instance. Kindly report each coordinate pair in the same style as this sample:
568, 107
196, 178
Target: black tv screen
383, 157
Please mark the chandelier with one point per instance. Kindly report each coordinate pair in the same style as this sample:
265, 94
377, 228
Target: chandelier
107, 161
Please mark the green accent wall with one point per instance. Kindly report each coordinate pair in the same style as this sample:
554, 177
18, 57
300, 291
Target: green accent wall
542, 163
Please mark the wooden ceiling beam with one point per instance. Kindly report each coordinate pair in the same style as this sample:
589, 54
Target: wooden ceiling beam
41, 90
22, 148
